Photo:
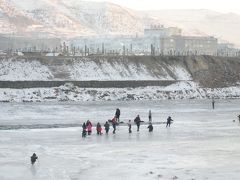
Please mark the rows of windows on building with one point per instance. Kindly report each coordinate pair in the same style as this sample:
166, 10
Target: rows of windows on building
156, 40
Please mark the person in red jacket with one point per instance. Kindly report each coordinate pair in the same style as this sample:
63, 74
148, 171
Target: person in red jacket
89, 127
114, 124
99, 129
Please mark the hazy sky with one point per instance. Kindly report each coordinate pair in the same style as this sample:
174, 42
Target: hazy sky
220, 5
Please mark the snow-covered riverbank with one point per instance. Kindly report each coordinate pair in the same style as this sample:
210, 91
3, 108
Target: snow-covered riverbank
180, 90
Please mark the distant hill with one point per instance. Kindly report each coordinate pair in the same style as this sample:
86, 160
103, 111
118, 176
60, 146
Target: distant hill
67, 18
70, 18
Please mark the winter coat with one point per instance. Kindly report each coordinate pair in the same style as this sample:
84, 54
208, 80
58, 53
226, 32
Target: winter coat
114, 121
137, 120
34, 158
150, 127
169, 120
117, 112
89, 127
106, 125
99, 128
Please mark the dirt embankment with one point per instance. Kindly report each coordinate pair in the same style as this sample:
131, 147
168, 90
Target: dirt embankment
214, 71
209, 71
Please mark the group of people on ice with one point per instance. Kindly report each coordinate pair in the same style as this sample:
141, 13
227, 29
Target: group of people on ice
87, 127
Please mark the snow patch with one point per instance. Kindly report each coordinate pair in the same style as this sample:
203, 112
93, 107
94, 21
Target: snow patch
69, 92
90, 70
23, 70
180, 73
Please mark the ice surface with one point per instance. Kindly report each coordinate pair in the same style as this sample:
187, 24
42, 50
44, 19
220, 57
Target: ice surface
201, 144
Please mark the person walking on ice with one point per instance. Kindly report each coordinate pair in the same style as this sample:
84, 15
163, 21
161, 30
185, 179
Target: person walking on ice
239, 118
84, 130
137, 120
117, 114
99, 129
169, 121
89, 127
213, 104
129, 126
33, 158
114, 124
106, 126
150, 116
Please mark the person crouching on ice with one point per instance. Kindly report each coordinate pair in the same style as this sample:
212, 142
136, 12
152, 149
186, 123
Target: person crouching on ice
33, 158
150, 127
99, 129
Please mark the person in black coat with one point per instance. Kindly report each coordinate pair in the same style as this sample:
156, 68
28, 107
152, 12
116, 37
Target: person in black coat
150, 116
213, 104
129, 126
106, 126
169, 121
117, 114
84, 130
33, 158
137, 120
150, 127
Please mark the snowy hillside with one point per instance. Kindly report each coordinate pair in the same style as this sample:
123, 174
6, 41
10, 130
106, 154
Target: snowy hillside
120, 70
207, 70
85, 69
68, 18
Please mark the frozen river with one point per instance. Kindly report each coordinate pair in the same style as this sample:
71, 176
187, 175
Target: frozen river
201, 144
